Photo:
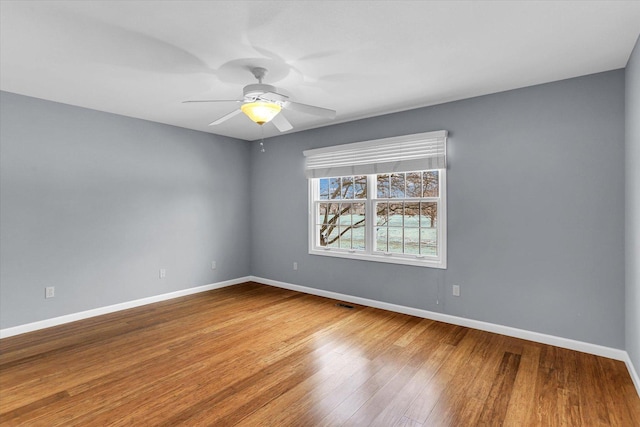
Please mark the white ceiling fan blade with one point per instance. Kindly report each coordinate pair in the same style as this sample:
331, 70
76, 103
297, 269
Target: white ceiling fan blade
212, 100
226, 117
281, 122
310, 109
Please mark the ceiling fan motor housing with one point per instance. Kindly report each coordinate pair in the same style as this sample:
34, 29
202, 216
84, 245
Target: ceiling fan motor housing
255, 91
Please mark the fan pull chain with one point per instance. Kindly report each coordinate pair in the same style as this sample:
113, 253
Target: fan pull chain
262, 140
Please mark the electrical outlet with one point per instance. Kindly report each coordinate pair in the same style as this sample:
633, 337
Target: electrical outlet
214, 265
163, 273
295, 265
456, 290
49, 292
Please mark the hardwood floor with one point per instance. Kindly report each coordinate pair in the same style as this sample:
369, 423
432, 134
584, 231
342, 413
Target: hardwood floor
256, 355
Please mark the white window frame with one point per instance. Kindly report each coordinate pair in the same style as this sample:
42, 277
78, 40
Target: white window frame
369, 254
439, 261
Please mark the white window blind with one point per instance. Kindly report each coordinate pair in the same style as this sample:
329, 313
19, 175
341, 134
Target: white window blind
421, 151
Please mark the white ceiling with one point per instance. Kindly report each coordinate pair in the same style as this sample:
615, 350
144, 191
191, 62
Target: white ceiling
361, 58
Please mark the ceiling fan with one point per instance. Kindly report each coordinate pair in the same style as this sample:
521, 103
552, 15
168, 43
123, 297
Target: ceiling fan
262, 104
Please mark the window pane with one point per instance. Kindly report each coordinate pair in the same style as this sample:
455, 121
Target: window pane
345, 237
429, 241
324, 231
397, 186
412, 241
360, 187
332, 237
329, 213
332, 213
383, 186
412, 214
428, 214
345, 214
381, 239
323, 208
414, 184
382, 211
320, 235
395, 214
358, 233
358, 214
347, 187
324, 188
430, 184
395, 240
334, 188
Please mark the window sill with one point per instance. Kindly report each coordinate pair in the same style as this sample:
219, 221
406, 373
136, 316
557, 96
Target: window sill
392, 258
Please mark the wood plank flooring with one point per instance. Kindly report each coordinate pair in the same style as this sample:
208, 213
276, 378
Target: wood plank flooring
252, 355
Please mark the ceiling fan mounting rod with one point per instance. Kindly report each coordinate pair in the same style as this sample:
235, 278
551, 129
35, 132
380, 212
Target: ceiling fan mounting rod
259, 73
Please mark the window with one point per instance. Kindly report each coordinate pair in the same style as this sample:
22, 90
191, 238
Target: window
393, 215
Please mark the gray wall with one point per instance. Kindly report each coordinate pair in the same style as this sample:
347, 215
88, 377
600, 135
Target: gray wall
535, 220
632, 217
95, 204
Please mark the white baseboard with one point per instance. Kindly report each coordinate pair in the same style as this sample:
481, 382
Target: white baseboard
47, 323
632, 371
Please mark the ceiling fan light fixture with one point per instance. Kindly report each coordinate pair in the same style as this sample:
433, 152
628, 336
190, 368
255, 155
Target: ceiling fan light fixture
261, 112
